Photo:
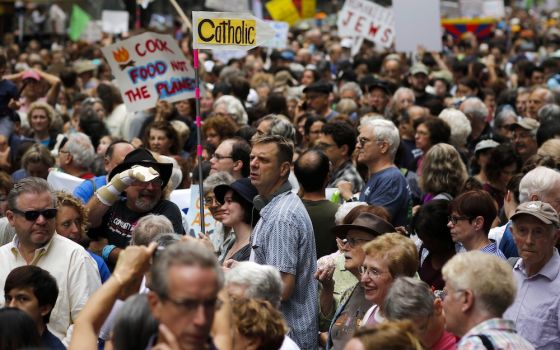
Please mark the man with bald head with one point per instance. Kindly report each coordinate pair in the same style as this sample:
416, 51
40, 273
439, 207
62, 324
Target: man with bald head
538, 98
312, 172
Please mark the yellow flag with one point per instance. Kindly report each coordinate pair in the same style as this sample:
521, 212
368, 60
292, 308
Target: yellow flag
283, 10
308, 8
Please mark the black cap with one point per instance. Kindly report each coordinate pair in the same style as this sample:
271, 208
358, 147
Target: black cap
321, 87
369, 83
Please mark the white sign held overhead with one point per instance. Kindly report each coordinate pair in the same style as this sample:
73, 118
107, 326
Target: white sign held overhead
229, 5
368, 20
412, 15
229, 31
471, 8
114, 22
280, 40
493, 8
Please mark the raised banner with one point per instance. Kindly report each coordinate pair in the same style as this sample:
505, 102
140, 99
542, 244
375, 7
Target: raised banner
150, 67
280, 40
229, 30
283, 11
360, 18
411, 15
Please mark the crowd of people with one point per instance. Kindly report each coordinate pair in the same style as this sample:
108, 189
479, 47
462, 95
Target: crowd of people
370, 201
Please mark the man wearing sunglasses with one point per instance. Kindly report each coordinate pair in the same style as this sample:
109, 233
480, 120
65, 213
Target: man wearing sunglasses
31, 211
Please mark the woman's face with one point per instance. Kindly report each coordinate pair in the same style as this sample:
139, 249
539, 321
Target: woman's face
183, 107
99, 110
307, 78
159, 142
69, 223
39, 120
103, 145
212, 138
422, 138
233, 211
377, 279
206, 102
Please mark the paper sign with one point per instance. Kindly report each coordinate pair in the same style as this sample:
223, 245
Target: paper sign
368, 20
228, 31
114, 22
283, 11
149, 67
229, 5
193, 216
411, 15
61, 181
471, 8
308, 8
225, 55
280, 40
493, 8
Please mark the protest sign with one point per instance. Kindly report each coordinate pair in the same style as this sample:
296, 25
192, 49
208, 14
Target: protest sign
493, 8
228, 30
283, 11
225, 55
150, 67
193, 216
471, 8
308, 8
61, 181
280, 40
229, 5
368, 20
114, 22
411, 15
79, 20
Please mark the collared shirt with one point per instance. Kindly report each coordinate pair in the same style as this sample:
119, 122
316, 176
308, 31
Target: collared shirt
536, 309
492, 248
347, 172
283, 238
73, 268
500, 332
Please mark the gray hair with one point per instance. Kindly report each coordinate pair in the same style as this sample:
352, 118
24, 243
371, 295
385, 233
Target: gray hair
280, 125
184, 253
539, 182
35, 185
403, 90
475, 108
80, 147
260, 281
409, 298
219, 178
501, 116
351, 86
234, 107
385, 130
459, 124
346, 106
549, 112
488, 277
148, 228
344, 209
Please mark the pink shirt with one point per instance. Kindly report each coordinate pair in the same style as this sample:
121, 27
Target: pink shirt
447, 342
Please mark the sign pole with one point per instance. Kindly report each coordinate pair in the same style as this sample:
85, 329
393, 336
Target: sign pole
199, 138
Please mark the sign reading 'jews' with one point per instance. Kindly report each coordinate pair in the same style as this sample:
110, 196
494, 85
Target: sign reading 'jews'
360, 18
228, 31
150, 67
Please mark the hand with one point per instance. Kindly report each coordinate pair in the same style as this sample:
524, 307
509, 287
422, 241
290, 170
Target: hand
133, 262
168, 340
136, 142
325, 271
345, 189
14, 104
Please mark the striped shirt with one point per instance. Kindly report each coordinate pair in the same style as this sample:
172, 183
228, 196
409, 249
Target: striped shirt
492, 248
501, 333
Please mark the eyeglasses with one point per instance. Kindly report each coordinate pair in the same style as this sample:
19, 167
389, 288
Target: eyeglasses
363, 140
442, 294
210, 201
352, 242
188, 306
32, 215
371, 272
455, 218
220, 157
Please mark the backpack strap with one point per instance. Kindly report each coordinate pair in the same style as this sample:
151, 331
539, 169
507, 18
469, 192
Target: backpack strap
485, 341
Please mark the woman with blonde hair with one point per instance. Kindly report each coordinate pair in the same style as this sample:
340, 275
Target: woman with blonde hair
444, 173
41, 117
36, 161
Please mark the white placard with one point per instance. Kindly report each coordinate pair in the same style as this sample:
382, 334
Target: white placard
114, 22
225, 55
471, 8
150, 67
193, 215
61, 181
410, 15
368, 20
280, 40
229, 5
493, 8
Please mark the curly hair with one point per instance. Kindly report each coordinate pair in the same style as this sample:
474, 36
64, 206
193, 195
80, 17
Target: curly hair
223, 125
439, 130
500, 157
68, 200
169, 131
443, 170
259, 320
44, 106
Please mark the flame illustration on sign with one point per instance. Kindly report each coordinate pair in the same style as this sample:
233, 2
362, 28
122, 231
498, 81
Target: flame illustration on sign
122, 56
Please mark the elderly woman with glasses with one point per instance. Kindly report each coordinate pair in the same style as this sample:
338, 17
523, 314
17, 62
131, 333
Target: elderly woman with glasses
364, 227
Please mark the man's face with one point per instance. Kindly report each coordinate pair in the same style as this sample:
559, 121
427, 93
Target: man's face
392, 70
25, 300
354, 254
332, 151
142, 197
120, 150
221, 161
403, 100
452, 309
524, 142
317, 101
263, 128
534, 240
188, 309
419, 81
552, 197
521, 104
377, 99
32, 234
314, 132
536, 101
265, 167
367, 146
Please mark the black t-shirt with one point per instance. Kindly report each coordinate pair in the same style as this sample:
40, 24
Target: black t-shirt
119, 221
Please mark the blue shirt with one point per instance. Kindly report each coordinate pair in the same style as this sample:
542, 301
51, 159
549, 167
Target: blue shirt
507, 244
49, 341
101, 266
85, 190
389, 189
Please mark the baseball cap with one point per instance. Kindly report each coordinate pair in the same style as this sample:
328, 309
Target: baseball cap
419, 68
541, 210
527, 124
485, 144
321, 87
31, 74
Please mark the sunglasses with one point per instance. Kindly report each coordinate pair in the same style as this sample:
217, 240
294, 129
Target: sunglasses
32, 215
